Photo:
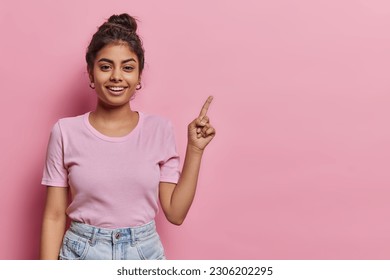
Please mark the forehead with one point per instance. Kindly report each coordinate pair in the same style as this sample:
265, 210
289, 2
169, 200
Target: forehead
116, 52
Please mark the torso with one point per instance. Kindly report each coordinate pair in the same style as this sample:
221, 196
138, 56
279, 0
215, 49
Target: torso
114, 129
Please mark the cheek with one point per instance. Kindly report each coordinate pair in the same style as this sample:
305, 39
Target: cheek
101, 77
132, 80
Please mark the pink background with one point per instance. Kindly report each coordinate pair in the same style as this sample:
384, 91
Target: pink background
299, 168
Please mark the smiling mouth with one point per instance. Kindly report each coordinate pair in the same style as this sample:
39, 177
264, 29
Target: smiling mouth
116, 90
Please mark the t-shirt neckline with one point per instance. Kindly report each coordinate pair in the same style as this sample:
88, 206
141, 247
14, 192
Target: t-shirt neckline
102, 136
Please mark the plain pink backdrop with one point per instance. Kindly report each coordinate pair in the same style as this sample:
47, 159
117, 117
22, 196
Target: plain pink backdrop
299, 168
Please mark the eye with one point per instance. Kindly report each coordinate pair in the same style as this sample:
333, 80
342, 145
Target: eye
128, 68
105, 67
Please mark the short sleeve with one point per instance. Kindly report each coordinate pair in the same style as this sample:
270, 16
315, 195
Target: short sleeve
54, 172
170, 166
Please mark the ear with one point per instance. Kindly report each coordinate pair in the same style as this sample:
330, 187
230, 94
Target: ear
90, 75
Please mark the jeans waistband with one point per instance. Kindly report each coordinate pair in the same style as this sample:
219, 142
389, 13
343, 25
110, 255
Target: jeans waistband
130, 234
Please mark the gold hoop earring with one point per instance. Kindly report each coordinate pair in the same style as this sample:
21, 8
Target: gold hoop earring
92, 85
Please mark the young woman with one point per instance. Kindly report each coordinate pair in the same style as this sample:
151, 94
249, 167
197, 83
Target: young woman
116, 163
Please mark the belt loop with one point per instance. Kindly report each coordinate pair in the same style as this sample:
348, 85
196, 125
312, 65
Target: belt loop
92, 240
132, 236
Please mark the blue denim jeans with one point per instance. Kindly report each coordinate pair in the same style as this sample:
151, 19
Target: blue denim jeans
85, 242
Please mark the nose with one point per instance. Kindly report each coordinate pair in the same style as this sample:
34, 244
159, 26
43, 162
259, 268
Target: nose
116, 75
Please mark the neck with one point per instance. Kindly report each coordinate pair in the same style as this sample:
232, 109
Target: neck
113, 114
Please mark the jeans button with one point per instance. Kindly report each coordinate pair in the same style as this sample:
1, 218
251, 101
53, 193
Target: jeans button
117, 235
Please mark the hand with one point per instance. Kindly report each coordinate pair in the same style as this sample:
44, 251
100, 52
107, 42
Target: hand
200, 131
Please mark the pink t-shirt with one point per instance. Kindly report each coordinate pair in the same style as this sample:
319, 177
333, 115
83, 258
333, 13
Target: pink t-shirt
113, 180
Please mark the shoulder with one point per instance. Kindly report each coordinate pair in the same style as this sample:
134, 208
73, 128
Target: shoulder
150, 120
156, 126
68, 124
71, 122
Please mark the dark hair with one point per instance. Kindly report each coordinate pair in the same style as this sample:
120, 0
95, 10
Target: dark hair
117, 29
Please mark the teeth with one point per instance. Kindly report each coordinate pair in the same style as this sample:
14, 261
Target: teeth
116, 88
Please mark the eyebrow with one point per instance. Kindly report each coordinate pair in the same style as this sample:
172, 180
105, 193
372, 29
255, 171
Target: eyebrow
112, 62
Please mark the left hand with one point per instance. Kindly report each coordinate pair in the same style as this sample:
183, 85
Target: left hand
200, 131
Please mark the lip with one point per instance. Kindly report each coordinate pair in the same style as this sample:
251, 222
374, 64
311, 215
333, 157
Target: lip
116, 90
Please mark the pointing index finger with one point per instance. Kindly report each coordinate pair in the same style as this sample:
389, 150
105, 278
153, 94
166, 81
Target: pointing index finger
205, 107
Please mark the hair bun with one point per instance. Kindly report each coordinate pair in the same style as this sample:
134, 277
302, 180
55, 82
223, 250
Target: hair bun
125, 21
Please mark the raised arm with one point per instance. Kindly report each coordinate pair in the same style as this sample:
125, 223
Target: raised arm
175, 199
54, 222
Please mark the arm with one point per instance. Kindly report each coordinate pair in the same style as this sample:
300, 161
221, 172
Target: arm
54, 222
175, 199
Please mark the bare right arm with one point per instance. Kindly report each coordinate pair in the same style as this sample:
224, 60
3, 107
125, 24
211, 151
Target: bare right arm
54, 222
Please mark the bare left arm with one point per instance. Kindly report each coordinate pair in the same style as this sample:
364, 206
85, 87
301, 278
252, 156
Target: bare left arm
176, 199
